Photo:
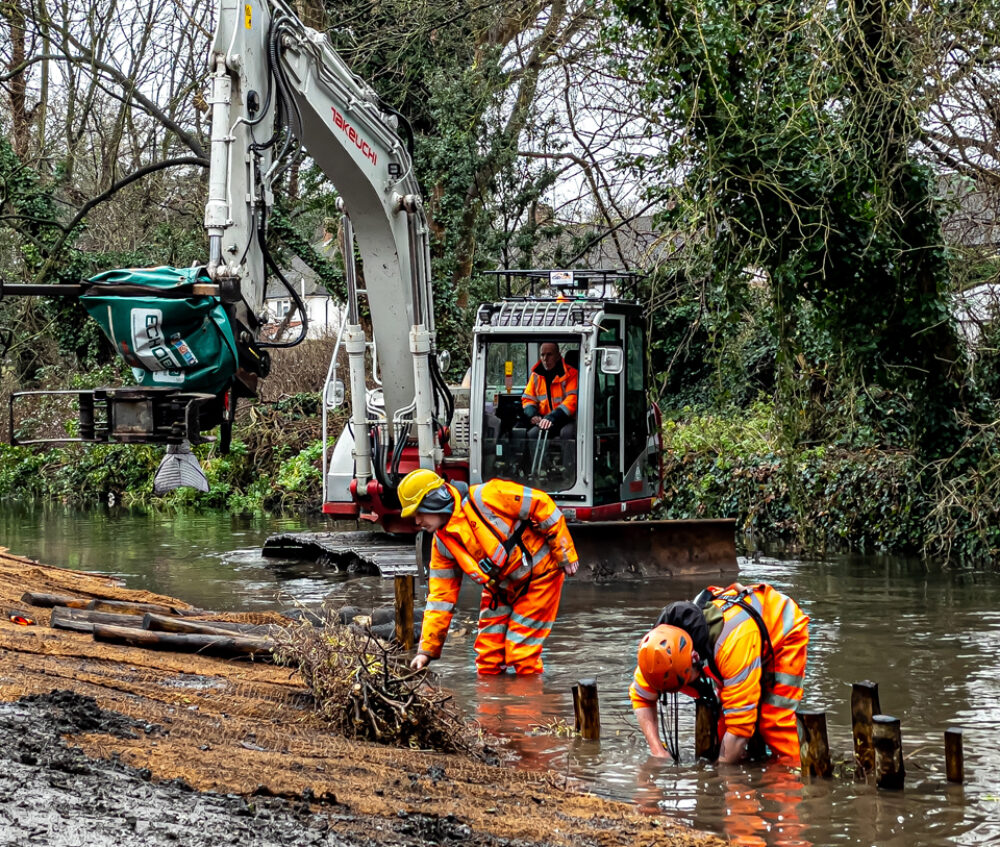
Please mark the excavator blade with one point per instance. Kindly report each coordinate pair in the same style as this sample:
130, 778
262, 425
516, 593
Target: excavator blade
628, 550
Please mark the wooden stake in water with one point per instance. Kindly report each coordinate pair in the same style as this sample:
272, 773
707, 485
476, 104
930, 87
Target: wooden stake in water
954, 758
706, 731
814, 747
404, 611
864, 704
587, 708
888, 742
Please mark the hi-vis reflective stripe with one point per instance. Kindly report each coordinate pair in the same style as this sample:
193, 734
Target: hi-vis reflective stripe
551, 520
525, 512
736, 710
493, 629
743, 674
439, 606
499, 612
788, 679
521, 638
787, 619
532, 623
780, 702
442, 548
442, 573
498, 523
741, 616
645, 693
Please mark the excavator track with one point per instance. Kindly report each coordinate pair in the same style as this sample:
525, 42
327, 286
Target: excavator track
347, 552
610, 551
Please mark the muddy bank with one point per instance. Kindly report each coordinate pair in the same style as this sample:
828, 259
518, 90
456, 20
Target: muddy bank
159, 748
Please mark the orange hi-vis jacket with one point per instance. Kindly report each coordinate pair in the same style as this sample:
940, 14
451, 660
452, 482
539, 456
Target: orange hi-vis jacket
739, 651
491, 514
562, 392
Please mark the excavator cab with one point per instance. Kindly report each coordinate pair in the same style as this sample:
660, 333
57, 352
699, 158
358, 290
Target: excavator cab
602, 462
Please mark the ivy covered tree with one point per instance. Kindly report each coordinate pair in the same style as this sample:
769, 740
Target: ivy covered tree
793, 161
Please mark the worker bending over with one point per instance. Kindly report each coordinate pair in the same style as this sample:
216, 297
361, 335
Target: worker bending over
510, 539
744, 645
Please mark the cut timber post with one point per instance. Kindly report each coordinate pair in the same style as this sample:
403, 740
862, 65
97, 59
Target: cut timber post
83, 620
587, 708
814, 747
49, 601
954, 758
166, 623
706, 731
404, 611
888, 742
127, 607
864, 705
226, 646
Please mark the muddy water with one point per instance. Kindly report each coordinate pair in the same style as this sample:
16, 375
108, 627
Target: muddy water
927, 635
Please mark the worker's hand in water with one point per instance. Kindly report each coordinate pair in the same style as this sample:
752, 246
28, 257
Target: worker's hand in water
420, 661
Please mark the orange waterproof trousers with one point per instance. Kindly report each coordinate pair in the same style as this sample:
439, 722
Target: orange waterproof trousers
512, 629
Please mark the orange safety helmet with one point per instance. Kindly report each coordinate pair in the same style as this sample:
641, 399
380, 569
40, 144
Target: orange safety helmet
665, 658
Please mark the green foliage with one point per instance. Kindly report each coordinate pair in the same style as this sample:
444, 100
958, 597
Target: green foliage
794, 127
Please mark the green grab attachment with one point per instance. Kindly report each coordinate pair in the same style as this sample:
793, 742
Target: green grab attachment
170, 340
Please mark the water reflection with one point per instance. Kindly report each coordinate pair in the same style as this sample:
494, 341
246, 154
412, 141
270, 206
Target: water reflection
927, 635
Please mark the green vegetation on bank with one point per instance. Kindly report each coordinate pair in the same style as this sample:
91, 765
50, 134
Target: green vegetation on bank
274, 465
830, 496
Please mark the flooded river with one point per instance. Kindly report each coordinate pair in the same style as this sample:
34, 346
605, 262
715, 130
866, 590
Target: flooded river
929, 636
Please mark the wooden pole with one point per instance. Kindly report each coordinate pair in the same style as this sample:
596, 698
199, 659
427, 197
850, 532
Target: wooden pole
864, 705
49, 601
587, 708
954, 758
127, 607
706, 731
166, 623
888, 743
814, 747
83, 620
404, 611
226, 646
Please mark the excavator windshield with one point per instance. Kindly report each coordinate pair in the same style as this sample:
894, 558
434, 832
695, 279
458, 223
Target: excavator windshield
530, 401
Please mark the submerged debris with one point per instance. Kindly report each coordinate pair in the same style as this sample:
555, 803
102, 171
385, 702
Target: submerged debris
364, 687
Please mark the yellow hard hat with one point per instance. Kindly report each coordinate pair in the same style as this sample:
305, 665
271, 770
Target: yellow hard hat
414, 487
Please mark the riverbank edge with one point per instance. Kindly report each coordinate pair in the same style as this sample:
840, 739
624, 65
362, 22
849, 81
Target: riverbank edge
246, 729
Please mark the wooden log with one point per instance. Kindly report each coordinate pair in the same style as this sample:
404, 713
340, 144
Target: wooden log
864, 705
888, 742
166, 623
50, 601
706, 731
127, 607
83, 620
814, 746
404, 611
225, 646
587, 708
954, 758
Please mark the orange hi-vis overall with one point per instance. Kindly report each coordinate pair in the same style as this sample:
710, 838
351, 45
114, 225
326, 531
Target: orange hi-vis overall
521, 590
754, 689
562, 391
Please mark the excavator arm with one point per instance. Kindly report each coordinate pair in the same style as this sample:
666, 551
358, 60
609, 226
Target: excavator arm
278, 87
279, 92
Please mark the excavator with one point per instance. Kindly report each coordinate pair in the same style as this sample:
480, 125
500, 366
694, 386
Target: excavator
196, 341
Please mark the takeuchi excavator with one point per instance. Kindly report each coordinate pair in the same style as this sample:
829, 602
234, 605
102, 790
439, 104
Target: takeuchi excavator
195, 339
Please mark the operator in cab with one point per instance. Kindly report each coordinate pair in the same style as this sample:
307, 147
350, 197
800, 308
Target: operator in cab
551, 397
510, 539
741, 647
